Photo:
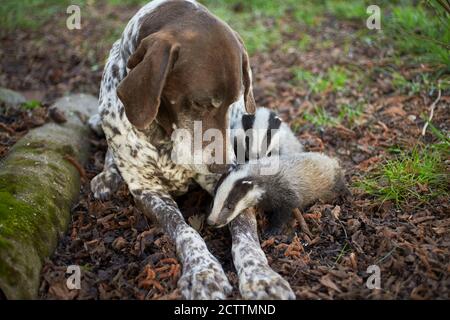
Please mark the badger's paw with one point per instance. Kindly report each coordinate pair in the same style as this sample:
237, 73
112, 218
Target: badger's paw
206, 281
264, 284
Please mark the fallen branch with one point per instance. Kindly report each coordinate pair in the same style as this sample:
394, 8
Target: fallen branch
301, 221
432, 107
38, 186
77, 165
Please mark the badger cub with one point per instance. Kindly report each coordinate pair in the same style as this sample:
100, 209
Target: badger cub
261, 135
297, 181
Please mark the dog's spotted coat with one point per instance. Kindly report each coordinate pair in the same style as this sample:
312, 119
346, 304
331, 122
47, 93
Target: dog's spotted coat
143, 160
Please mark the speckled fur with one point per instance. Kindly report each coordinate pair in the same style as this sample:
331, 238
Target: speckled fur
256, 279
143, 160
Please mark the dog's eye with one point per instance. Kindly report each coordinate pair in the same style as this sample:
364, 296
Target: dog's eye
216, 103
197, 106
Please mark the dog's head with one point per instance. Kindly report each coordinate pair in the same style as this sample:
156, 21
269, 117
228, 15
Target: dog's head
186, 72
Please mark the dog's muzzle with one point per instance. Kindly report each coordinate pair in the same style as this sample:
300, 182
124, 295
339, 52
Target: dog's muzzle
219, 168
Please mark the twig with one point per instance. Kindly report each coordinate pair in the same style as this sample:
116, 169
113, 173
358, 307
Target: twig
445, 5
77, 166
6, 128
433, 105
341, 253
303, 225
387, 255
437, 13
440, 43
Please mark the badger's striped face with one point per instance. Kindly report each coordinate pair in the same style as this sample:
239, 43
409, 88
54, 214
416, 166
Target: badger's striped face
259, 135
235, 192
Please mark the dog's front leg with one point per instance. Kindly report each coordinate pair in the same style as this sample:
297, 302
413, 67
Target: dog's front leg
256, 279
108, 181
203, 276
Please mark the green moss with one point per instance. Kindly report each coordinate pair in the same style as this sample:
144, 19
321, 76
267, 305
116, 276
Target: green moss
13, 214
4, 245
37, 187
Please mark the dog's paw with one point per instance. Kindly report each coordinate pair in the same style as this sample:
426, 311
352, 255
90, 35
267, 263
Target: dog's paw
205, 282
265, 284
105, 184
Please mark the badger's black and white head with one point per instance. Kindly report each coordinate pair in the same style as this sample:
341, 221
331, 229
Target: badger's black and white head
235, 192
257, 135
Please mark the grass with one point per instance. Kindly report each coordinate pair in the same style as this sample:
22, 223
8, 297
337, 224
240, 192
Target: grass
417, 175
347, 10
253, 24
32, 14
304, 44
29, 14
414, 30
420, 83
350, 113
334, 79
31, 104
405, 86
420, 32
344, 250
320, 118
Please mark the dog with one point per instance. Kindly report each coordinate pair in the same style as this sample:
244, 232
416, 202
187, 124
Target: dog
175, 64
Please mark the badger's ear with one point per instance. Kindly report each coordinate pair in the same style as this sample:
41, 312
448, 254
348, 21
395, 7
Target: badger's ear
276, 122
140, 91
247, 121
250, 104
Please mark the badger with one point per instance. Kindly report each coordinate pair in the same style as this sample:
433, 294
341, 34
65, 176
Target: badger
299, 180
260, 135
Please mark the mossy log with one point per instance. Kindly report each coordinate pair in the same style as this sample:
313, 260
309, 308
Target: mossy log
39, 182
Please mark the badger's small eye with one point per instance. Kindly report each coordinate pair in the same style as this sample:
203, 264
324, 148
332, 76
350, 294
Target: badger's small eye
229, 206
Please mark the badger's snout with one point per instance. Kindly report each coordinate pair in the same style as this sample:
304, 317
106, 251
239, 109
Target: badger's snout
216, 223
341, 189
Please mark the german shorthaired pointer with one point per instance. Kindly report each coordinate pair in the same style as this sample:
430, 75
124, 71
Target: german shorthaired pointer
176, 63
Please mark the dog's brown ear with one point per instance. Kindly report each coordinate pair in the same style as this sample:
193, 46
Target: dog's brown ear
140, 91
250, 104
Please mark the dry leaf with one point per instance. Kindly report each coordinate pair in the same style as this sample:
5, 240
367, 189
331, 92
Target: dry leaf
327, 282
196, 221
336, 212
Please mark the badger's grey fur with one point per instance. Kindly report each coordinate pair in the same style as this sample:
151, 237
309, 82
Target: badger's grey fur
298, 181
262, 134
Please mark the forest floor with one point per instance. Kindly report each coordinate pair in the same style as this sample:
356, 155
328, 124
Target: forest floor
348, 91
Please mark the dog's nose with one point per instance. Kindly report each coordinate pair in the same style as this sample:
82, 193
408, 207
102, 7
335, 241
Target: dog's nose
219, 168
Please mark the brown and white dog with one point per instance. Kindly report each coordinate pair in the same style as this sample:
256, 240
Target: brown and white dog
176, 63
